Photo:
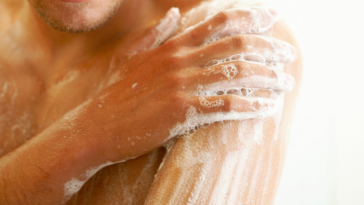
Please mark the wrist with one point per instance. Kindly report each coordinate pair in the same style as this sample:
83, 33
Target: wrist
43, 168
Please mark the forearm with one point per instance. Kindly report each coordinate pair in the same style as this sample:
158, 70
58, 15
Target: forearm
38, 171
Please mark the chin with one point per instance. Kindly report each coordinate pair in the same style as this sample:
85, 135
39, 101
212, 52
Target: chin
76, 17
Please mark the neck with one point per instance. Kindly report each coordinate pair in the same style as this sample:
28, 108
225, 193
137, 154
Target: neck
132, 15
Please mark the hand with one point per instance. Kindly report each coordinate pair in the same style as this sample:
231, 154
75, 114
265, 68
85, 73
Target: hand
171, 89
165, 92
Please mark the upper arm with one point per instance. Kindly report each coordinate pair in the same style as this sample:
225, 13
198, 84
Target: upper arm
230, 162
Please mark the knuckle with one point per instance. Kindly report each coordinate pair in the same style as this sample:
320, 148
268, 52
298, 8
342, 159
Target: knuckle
176, 99
176, 80
229, 102
241, 66
256, 105
176, 59
222, 17
274, 73
169, 62
173, 62
261, 106
239, 42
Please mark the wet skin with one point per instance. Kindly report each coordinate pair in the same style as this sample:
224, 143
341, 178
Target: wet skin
38, 81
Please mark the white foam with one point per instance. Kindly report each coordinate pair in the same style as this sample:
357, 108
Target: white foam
194, 118
255, 81
228, 71
225, 178
114, 78
74, 185
254, 24
210, 104
279, 49
166, 27
244, 57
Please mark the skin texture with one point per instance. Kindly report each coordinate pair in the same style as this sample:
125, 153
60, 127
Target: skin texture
36, 100
76, 17
240, 165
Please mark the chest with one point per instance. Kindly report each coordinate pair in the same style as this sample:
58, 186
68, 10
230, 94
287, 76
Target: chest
29, 102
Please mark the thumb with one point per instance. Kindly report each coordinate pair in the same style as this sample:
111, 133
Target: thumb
156, 35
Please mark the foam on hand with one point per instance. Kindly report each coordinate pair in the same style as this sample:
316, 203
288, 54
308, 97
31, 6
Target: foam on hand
194, 119
259, 20
254, 81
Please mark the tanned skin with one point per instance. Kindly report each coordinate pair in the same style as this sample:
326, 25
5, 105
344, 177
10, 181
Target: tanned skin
63, 111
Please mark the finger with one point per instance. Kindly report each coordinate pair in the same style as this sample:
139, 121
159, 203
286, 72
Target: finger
209, 109
247, 92
202, 110
229, 22
268, 33
239, 75
257, 93
156, 35
245, 47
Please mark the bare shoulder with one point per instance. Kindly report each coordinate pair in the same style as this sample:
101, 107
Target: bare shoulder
281, 29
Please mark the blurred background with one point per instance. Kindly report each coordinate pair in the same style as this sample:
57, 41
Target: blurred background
325, 161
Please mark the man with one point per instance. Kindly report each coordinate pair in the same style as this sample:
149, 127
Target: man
85, 85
